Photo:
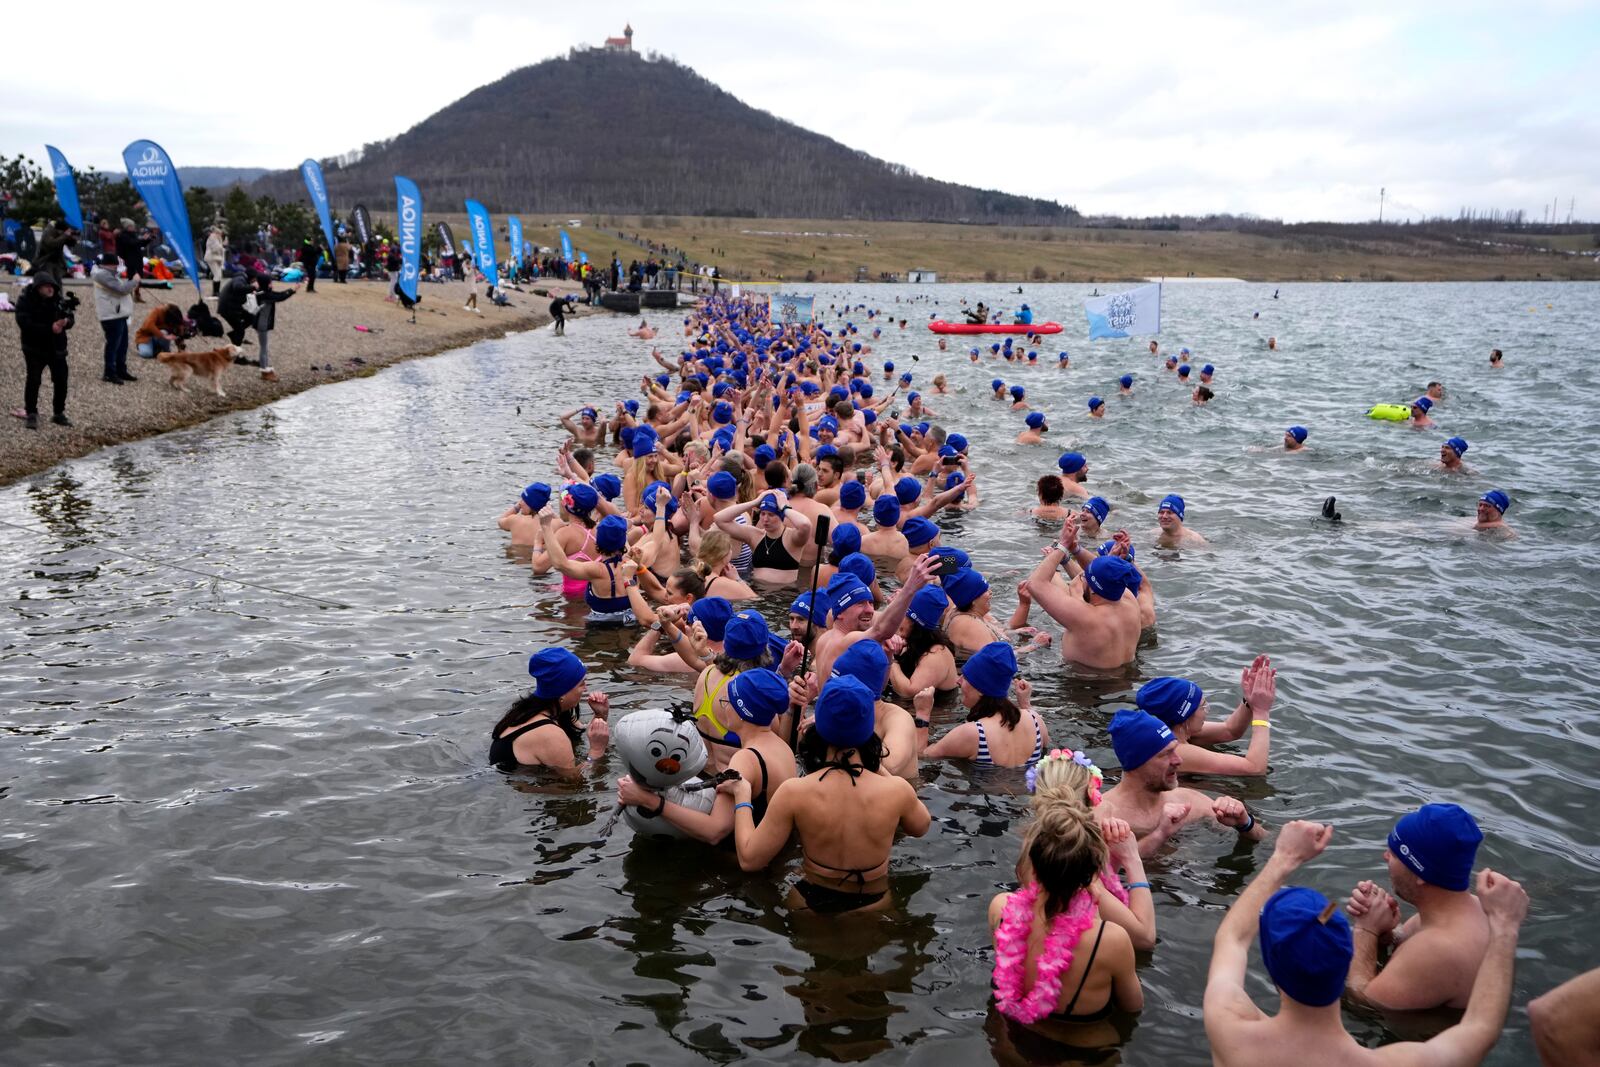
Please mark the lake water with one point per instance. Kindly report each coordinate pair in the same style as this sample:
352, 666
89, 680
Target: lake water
250, 818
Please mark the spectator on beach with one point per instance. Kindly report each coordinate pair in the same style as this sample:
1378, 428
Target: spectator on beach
341, 262
52, 257
130, 249
43, 319
161, 331
216, 257
310, 256
231, 307
113, 303
469, 274
107, 236
268, 299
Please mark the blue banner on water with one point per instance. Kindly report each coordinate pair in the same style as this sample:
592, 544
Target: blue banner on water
482, 240
66, 187
408, 212
515, 225
312, 172
566, 247
155, 179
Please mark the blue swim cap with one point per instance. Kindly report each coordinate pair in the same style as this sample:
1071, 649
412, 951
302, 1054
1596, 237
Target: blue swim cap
852, 495
758, 695
1110, 577
1307, 956
1172, 502
654, 492
536, 495
1458, 445
631, 407
764, 454
580, 499
807, 606
644, 442
866, 662
846, 538
607, 485
913, 396
991, 669
1440, 843
722, 412
723, 485
746, 636
1017, 392
1208, 369
907, 490
919, 531
927, 607
886, 511
888, 364
1498, 500
1183, 371
964, 587
1424, 403
555, 672
1098, 506
1096, 402
1137, 737
859, 565
846, 712
719, 389
1172, 700
712, 613
1071, 462
846, 590
963, 561
957, 442
1063, 358
611, 534
997, 383
973, 352
1034, 420
1127, 381
905, 379
1109, 548
1298, 433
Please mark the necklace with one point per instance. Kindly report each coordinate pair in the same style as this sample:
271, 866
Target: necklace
1011, 953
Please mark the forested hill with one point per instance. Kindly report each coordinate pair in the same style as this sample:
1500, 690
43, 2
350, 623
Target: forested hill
618, 133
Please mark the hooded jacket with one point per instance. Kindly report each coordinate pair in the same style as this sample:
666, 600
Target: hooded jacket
36, 314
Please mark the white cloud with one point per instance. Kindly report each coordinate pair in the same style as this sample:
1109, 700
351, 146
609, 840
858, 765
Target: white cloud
1295, 109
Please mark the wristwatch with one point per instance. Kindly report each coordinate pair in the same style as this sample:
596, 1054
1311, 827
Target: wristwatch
656, 626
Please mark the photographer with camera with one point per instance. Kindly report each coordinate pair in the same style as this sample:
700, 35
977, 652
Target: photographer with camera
44, 315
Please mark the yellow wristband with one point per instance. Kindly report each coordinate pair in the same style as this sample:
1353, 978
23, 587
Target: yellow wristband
1259, 722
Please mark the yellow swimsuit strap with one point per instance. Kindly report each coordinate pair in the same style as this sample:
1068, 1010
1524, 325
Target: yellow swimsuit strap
707, 708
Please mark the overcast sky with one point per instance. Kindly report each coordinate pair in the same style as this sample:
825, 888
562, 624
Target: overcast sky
1291, 109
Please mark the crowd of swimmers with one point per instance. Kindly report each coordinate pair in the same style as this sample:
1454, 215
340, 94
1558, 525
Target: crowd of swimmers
766, 458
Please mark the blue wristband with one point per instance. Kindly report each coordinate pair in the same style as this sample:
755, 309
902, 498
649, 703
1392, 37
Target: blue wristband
1131, 886
746, 804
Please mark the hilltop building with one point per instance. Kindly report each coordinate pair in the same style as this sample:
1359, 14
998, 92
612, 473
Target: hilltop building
621, 44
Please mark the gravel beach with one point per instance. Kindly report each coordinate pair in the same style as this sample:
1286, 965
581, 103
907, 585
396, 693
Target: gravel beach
315, 341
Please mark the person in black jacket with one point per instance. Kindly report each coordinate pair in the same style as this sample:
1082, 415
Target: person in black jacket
130, 249
43, 319
266, 318
310, 255
230, 307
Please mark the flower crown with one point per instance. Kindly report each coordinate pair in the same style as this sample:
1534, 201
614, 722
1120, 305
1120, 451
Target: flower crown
1075, 756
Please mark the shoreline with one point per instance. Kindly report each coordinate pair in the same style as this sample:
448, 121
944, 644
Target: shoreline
315, 343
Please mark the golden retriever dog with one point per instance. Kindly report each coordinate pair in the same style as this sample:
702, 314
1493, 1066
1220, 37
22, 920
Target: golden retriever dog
205, 364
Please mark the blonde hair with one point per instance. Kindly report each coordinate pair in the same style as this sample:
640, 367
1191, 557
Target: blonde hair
1065, 852
1061, 782
715, 548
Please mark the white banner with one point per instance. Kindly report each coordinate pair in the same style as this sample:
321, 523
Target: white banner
1137, 311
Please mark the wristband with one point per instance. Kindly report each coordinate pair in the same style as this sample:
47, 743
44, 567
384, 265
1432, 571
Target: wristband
1249, 825
746, 804
1259, 722
1131, 886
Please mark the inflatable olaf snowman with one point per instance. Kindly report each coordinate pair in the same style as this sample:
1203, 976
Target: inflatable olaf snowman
663, 754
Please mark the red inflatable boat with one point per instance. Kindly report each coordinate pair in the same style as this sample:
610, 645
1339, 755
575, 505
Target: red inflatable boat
940, 326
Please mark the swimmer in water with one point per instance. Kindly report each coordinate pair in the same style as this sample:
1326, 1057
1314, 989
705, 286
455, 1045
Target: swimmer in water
1091, 516
1034, 434
1173, 533
1435, 391
521, 519
941, 385
588, 429
1049, 508
1294, 439
1074, 472
1172, 363
1496, 360
643, 330
1097, 408
1125, 385
1063, 362
1450, 454
942, 345
1202, 394
1272, 343
1018, 403
1183, 374
998, 386
1154, 349
1205, 374
1492, 514
1419, 414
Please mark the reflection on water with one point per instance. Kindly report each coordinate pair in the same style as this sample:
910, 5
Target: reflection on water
237, 816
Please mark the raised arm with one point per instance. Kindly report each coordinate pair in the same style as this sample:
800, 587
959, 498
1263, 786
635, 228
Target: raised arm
887, 622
